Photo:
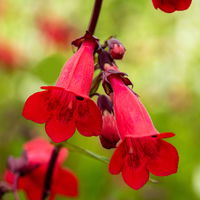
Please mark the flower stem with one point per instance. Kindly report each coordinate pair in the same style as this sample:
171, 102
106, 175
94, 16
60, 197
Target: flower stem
86, 152
49, 173
95, 16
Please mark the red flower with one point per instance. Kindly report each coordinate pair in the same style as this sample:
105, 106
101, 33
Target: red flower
142, 149
66, 106
55, 30
10, 57
170, 6
63, 182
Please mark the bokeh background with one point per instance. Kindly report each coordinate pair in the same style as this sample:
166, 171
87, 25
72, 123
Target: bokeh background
162, 60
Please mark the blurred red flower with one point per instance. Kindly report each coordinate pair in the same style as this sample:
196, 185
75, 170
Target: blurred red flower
55, 30
142, 149
38, 152
10, 58
66, 106
170, 6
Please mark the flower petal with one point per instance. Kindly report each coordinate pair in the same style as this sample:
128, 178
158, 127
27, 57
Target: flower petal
170, 6
165, 6
39, 151
59, 130
183, 4
32, 184
64, 182
135, 176
165, 135
35, 107
117, 160
89, 120
166, 162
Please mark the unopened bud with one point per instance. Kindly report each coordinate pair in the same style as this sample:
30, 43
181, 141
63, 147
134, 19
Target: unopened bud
104, 103
109, 136
116, 48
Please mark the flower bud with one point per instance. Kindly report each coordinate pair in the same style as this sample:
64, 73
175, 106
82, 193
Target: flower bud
116, 49
104, 103
109, 136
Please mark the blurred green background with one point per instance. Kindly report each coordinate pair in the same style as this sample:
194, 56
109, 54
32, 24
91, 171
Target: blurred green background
162, 60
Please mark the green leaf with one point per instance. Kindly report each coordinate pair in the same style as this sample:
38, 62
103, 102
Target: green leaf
49, 68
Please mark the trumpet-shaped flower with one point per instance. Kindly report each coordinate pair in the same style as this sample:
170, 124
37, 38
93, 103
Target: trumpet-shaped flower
142, 149
67, 106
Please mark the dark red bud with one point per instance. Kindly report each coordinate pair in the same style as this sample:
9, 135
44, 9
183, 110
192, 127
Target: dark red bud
104, 58
116, 48
104, 103
108, 144
109, 136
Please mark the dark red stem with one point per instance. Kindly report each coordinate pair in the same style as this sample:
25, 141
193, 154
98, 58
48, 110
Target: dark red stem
49, 173
95, 16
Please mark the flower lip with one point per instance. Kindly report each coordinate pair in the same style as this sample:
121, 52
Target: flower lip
157, 135
63, 113
78, 96
135, 158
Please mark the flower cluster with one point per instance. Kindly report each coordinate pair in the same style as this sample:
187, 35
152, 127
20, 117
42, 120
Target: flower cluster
119, 119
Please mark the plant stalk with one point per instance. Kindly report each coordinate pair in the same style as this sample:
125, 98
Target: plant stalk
95, 16
86, 152
50, 170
